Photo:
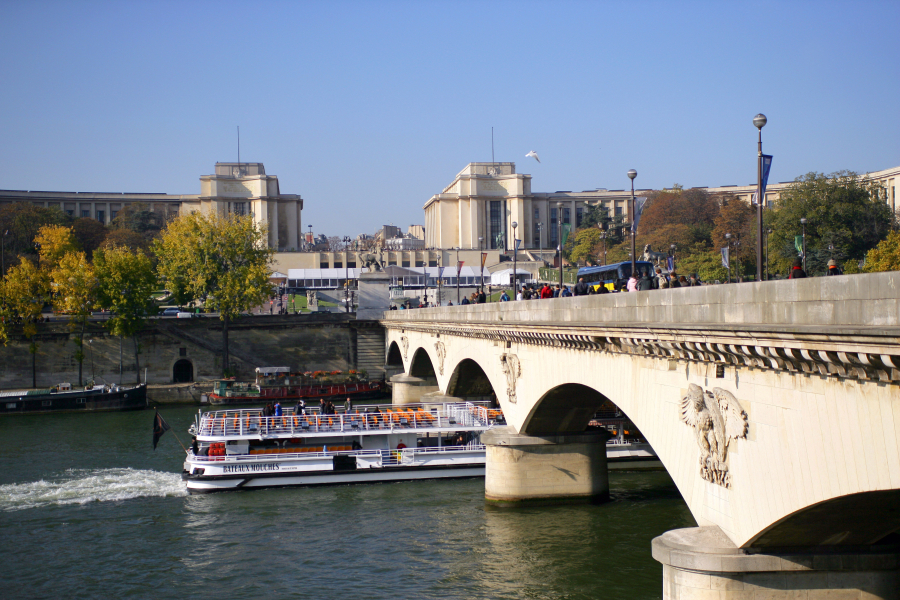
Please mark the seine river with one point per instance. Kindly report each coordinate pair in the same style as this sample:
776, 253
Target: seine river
88, 510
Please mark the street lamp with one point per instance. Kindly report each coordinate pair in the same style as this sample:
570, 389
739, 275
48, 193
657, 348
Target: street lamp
540, 227
559, 209
672, 247
759, 121
803, 223
515, 259
91, 345
309, 243
768, 233
346, 241
603, 237
728, 244
458, 270
631, 175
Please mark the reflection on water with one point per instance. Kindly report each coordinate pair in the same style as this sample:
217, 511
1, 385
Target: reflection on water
109, 518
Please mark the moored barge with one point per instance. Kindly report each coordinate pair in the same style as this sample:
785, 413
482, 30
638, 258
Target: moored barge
65, 398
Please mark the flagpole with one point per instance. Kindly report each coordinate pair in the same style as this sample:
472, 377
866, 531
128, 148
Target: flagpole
173, 432
631, 175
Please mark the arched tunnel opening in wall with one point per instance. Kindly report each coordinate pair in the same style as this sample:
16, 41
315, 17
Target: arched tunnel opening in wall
470, 382
422, 367
393, 364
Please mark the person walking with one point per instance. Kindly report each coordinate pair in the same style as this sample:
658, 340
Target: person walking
797, 271
833, 269
546, 292
673, 280
646, 282
565, 293
504, 297
581, 288
632, 283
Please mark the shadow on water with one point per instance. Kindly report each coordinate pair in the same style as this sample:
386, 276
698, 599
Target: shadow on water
105, 516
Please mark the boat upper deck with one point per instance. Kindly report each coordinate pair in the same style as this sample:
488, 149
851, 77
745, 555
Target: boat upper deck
363, 420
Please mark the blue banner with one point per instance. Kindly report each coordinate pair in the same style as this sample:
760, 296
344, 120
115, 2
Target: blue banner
726, 252
670, 263
766, 166
638, 210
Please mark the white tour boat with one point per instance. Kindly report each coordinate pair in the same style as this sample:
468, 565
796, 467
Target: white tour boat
239, 449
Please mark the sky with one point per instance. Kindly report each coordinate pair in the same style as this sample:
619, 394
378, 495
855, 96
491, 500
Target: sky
366, 109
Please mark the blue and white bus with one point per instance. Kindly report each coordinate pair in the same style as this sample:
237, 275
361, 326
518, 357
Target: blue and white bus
613, 277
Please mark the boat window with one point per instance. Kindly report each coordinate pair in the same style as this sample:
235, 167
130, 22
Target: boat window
10, 405
81, 400
46, 402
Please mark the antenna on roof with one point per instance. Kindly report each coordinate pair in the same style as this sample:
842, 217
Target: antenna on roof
492, 144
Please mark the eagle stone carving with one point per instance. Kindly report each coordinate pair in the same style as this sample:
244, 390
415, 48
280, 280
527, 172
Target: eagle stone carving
718, 418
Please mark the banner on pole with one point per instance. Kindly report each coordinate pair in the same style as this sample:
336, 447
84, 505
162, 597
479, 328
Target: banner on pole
767, 164
726, 257
518, 243
638, 210
566, 229
670, 263
459, 265
483, 259
798, 244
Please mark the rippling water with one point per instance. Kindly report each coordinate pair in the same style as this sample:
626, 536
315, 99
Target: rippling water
88, 510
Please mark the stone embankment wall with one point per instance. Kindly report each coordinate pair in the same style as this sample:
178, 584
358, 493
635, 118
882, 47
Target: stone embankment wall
302, 342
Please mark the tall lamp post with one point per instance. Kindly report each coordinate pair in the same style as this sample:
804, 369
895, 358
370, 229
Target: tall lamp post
309, 244
540, 227
803, 223
346, 241
631, 175
559, 209
672, 248
603, 237
759, 121
515, 259
458, 271
728, 244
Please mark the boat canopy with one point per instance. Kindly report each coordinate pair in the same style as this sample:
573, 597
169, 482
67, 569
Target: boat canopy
272, 370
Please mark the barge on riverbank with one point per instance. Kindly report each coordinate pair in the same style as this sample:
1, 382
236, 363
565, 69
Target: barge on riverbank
65, 398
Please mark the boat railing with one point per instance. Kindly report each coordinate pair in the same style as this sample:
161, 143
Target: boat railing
239, 423
395, 456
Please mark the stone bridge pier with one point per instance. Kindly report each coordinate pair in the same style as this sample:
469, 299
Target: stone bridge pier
775, 408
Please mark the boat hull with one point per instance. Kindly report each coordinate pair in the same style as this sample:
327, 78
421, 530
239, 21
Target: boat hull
132, 398
199, 484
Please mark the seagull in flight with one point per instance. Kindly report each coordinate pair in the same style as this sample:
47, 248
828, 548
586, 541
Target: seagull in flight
533, 155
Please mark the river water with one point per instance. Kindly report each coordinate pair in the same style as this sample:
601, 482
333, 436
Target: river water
88, 510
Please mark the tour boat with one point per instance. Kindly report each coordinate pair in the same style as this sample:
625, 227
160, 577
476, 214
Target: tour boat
279, 384
64, 397
240, 449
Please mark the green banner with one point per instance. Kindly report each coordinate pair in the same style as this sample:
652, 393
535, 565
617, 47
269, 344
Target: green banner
566, 229
798, 243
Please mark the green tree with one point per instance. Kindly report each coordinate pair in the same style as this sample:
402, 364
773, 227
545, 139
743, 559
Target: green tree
53, 242
74, 287
222, 260
842, 210
585, 240
613, 225
739, 219
24, 294
19, 225
885, 256
125, 284
707, 264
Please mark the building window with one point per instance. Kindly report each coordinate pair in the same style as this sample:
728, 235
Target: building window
70, 212
100, 216
566, 216
553, 227
239, 208
496, 222
420, 263
404, 263
432, 263
579, 215
323, 265
85, 214
182, 352
338, 264
618, 211
112, 214
536, 233
351, 264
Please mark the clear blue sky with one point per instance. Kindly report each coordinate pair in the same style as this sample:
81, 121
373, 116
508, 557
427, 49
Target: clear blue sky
366, 109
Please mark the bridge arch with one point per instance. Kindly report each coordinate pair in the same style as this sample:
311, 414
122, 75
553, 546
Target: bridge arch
566, 408
421, 366
394, 357
468, 380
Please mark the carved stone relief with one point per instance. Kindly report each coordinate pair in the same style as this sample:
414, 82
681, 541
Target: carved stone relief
404, 343
512, 368
441, 351
717, 418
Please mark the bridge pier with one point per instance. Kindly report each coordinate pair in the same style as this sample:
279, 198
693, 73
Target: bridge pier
702, 563
407, 389
556, 468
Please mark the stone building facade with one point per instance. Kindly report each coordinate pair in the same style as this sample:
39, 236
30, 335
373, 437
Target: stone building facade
477, 210
241, 188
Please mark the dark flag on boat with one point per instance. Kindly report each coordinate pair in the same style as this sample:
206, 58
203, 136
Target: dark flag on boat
159, 428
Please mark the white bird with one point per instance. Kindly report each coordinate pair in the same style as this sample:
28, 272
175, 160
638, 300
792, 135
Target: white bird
533, 155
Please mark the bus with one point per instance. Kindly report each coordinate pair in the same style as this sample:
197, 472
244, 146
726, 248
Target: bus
613, 277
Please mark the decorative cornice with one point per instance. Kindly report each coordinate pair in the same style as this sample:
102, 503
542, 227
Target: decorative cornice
873, 355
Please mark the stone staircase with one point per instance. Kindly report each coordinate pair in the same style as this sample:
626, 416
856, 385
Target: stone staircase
370, 351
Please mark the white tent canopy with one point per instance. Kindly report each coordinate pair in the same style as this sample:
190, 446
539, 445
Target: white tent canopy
505, 276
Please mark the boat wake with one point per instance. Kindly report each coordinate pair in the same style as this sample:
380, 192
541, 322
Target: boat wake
99, 485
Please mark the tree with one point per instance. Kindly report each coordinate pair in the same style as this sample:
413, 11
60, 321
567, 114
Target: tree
126, 238
146, 222
885, 256
24, 293
707, 264
74, 287
694, 207
53, 242
739, 219
223, 260
125, 284
335, 244
20, 223
585, 241
841, 210
599, 215
90, 234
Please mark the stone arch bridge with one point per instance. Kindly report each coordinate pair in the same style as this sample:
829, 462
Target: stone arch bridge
775, 408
